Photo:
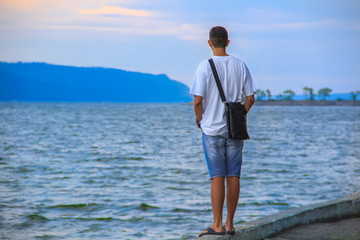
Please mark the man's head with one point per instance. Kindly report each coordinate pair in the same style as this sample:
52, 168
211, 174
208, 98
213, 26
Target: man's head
218, 37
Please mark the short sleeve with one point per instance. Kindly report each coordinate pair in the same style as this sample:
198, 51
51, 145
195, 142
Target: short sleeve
199, 83
249, 85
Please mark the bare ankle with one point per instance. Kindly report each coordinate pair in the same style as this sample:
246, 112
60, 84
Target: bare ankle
229, 224
217, 227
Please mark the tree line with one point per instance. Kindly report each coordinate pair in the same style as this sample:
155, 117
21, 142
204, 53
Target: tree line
307, 91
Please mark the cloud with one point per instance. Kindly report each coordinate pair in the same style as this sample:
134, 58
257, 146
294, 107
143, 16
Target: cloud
261, 20
155, 27
146, 23
23, 5
314, 24
112, 10
288, 25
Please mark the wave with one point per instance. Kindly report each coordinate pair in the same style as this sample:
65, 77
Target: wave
144, 207
36, 217
75, 206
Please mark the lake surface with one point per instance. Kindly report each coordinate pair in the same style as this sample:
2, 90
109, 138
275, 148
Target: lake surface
137, 171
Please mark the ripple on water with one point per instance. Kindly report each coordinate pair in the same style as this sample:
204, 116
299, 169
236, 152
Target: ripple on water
104, 171
145, 207
78, 206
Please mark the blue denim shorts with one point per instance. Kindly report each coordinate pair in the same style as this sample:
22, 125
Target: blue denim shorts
223, 156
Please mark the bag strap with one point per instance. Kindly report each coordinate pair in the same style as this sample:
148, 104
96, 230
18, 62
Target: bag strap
216, 76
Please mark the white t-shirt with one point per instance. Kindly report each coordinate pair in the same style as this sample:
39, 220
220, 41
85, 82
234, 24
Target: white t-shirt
235, 79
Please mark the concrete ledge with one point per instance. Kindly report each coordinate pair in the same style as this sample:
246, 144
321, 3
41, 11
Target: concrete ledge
265, 227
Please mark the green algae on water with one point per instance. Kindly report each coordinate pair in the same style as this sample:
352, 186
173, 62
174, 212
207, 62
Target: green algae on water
37, 217
145, 207
74, 206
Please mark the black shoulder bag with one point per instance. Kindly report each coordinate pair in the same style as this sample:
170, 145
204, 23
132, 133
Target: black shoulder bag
235, 112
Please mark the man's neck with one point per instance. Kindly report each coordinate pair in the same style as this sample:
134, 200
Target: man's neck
219, 52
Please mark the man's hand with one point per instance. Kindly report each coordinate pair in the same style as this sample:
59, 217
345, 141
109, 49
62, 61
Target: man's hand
250, 100
198, 123
198, 108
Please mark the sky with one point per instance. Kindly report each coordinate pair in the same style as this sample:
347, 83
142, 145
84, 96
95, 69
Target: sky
285, 44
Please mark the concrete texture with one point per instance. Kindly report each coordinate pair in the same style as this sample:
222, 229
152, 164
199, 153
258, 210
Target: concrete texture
346, 229
263, 228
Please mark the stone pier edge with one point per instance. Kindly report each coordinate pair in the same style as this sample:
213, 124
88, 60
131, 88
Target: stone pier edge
265, 227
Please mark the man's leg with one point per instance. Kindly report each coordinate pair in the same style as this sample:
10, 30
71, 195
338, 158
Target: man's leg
234, 163
217, 201
232, 197
214, 150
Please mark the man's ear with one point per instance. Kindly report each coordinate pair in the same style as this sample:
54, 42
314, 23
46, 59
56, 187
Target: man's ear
210, 43
227, 43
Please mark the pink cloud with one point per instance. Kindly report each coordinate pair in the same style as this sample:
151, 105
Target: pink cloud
112, 10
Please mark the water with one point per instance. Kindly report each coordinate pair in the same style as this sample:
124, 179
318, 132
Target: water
137, 171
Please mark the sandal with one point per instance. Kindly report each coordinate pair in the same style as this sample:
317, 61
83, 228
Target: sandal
232, 232
211, 231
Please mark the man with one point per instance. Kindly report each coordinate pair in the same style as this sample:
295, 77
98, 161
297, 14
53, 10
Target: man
223, 156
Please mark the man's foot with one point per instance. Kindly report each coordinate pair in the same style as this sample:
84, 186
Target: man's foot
210, 231
231, 232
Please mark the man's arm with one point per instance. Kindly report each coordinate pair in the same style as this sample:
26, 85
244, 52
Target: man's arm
250, 100
198, 107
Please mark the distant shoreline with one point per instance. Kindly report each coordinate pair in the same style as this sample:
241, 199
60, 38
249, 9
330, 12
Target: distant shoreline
258, 102
302, 103
306, 103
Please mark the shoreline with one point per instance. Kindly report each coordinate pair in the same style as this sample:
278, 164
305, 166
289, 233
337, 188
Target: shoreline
257, 102
306, 103
302, 103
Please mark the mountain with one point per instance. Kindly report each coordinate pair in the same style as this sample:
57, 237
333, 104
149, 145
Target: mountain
47, 82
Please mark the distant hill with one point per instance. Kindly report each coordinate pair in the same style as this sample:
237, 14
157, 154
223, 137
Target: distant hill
46, 82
